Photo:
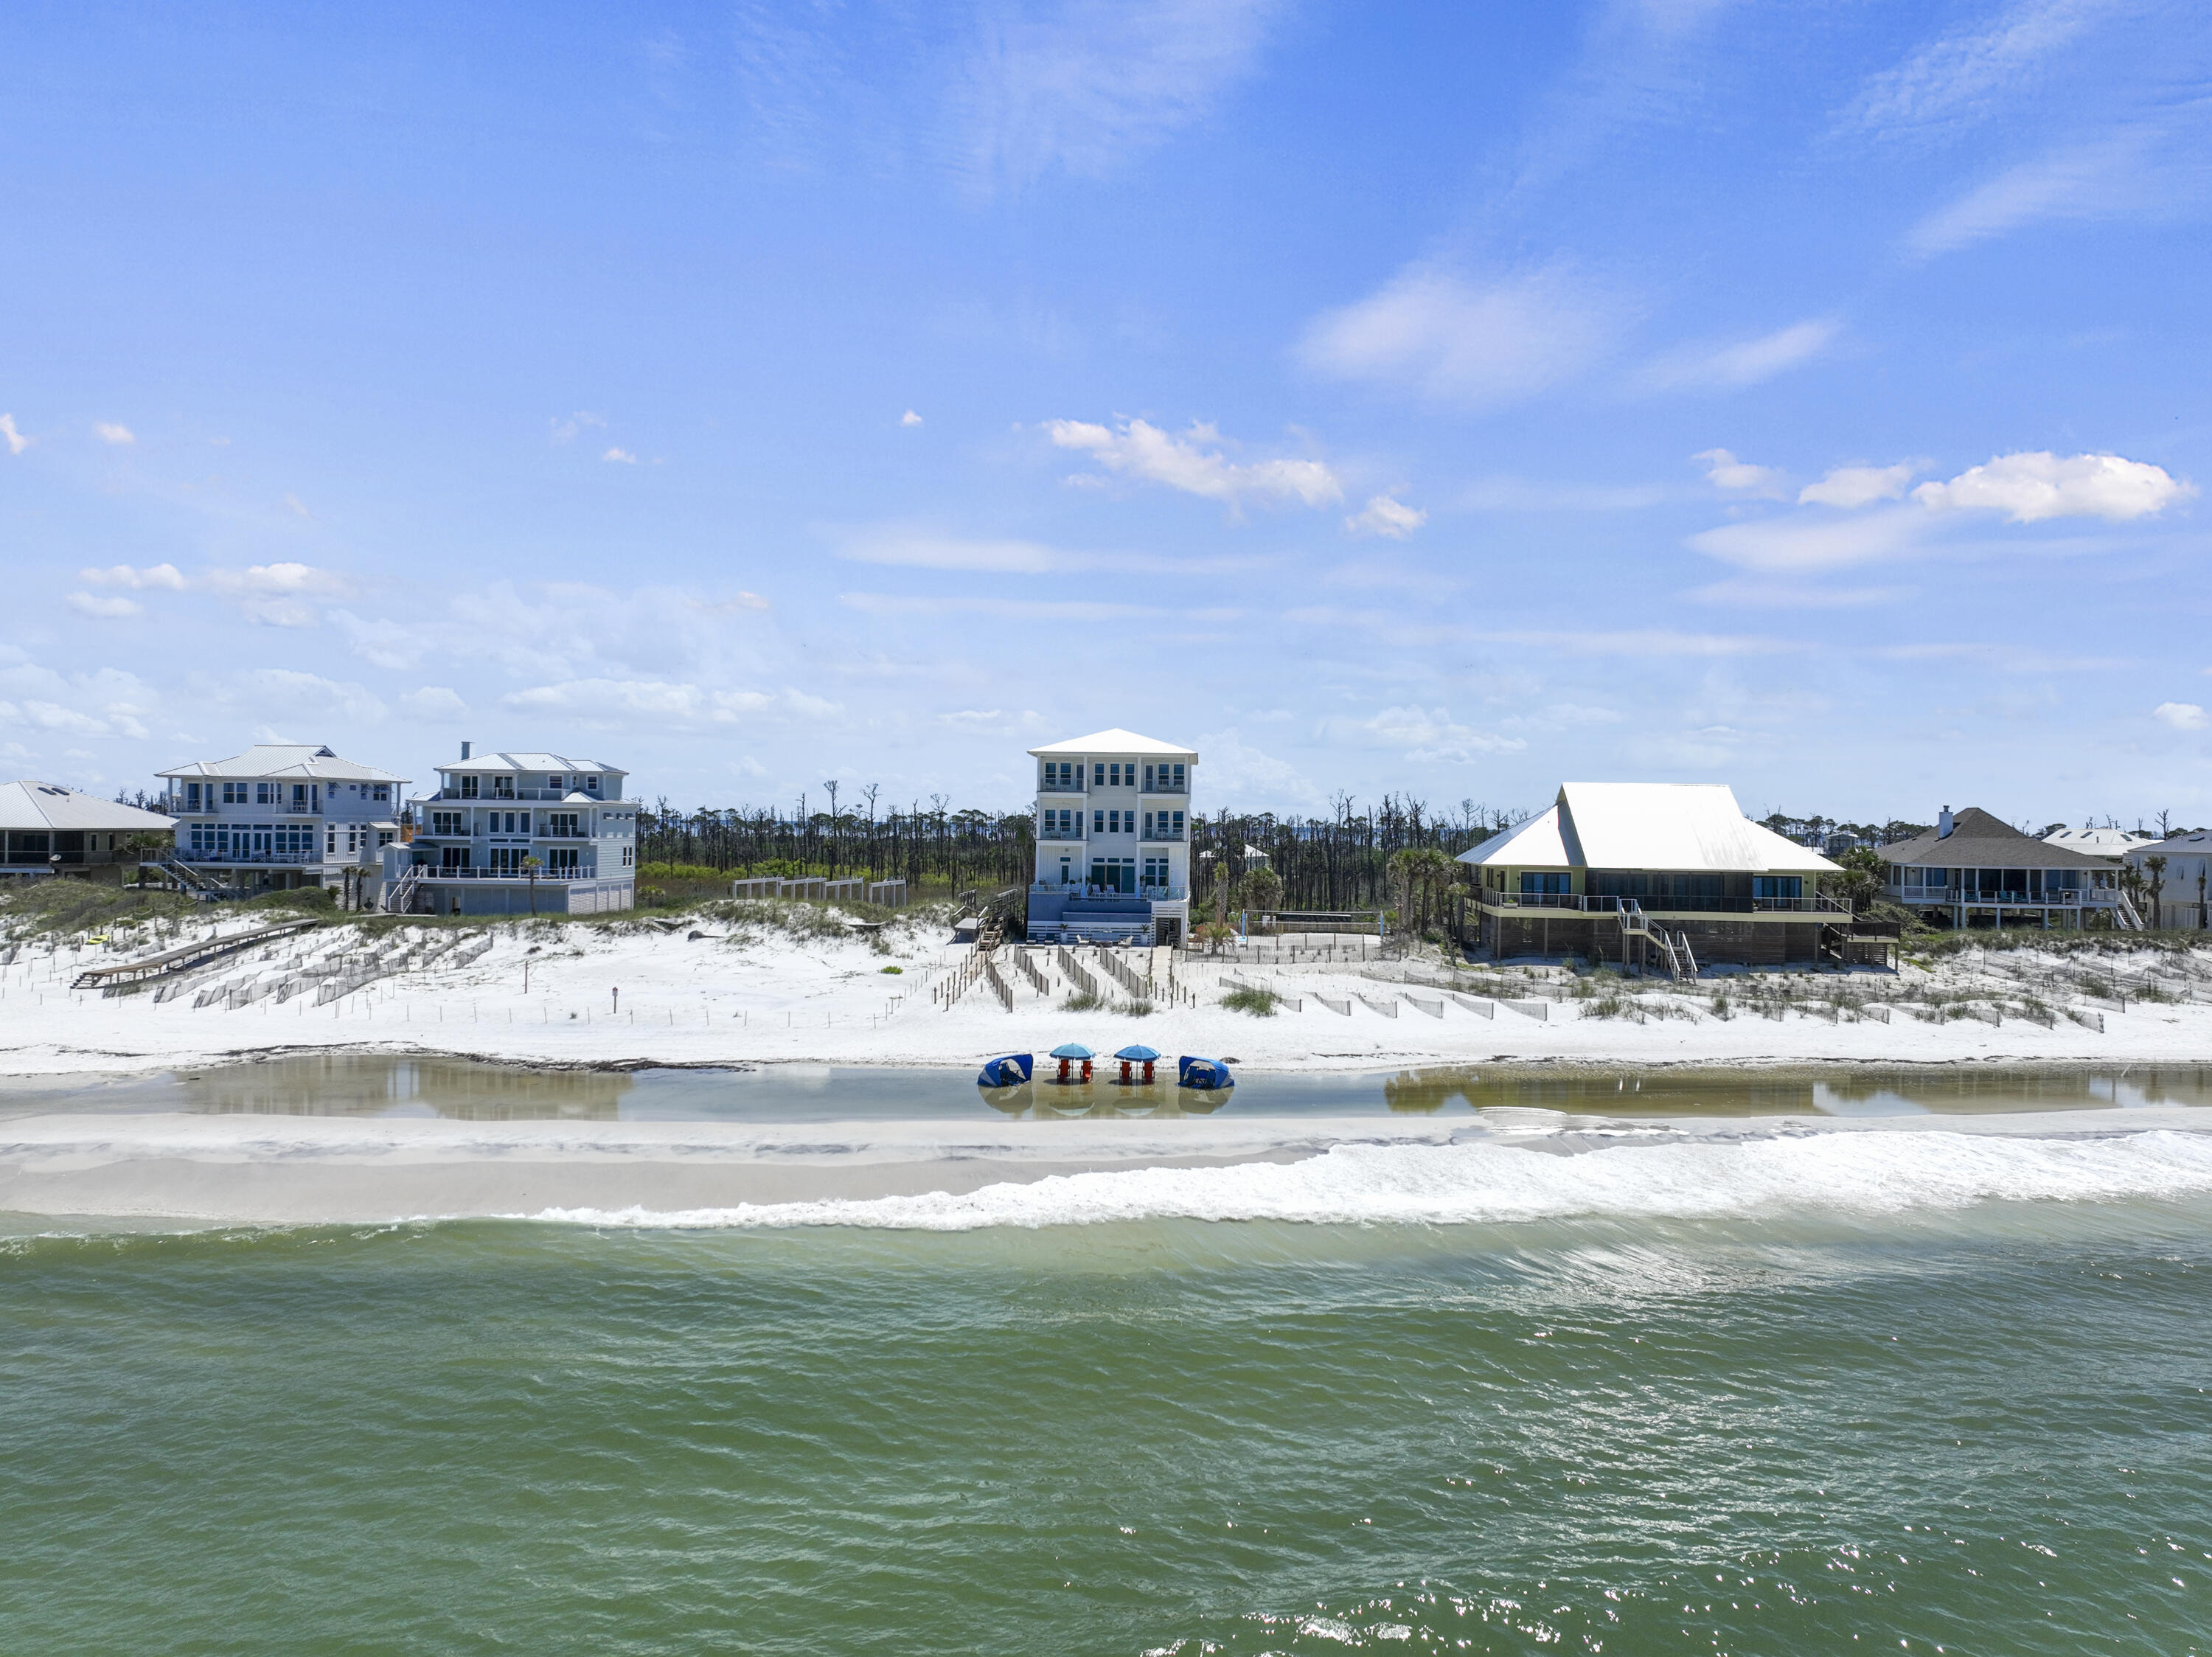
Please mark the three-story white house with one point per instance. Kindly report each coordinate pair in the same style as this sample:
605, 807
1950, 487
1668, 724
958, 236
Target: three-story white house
516, 834
280, 815
1113, 840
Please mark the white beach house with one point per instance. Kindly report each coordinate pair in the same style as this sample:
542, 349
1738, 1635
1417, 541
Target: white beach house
282, 814
48, 829
1113, 840
519, 833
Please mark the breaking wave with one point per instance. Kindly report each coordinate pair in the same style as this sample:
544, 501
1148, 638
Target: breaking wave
1842, 1172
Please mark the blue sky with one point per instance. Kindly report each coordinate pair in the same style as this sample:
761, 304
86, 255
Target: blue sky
1446, 399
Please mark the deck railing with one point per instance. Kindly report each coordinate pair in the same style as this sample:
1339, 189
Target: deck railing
1818, 903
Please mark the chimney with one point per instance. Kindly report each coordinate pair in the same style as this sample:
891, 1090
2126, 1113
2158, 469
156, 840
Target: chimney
464, 754
1942, 818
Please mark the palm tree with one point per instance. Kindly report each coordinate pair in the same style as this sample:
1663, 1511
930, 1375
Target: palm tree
2156, 865
529, 866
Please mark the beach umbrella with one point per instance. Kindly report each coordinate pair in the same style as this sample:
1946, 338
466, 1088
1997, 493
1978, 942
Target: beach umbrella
1138, 1050
1072, 1049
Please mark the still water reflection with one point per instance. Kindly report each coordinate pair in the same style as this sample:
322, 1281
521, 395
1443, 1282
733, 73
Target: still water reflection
362, 1085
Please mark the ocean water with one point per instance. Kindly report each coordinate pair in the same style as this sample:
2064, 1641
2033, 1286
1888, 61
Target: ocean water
1867, 1391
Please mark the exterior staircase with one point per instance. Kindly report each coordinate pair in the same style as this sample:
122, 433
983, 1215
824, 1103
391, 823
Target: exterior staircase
400, 900
196, 882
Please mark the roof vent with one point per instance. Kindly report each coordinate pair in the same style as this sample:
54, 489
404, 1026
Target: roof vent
464, 754
1943, 824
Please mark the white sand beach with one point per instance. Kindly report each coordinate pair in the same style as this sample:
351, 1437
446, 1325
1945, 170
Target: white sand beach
557, 994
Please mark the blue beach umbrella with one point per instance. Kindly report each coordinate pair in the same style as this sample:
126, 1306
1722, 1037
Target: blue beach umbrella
1072, 1049
1137, 1050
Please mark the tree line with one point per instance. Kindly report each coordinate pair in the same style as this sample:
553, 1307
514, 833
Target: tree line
1337, 861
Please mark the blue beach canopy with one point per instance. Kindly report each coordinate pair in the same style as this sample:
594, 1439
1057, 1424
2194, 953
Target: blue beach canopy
1072, 1049
1137, 1050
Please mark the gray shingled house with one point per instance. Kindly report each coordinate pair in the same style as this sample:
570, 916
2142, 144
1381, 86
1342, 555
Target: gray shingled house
1973, 869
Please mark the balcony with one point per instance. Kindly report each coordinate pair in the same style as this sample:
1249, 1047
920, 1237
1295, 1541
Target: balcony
257, 859
1158, 894
1952, 896
1578, 902
1161, 834
445, 796
518, 876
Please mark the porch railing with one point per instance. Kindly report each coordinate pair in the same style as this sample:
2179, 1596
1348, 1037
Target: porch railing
1819, 903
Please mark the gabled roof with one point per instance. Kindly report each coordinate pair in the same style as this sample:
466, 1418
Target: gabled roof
292, 761
1114, 741
38, 806
553, 763
2098, 842
1978, 840
1688, 828
1533, 844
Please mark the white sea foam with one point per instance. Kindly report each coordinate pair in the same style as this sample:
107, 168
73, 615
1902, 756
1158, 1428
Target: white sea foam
1468, 1183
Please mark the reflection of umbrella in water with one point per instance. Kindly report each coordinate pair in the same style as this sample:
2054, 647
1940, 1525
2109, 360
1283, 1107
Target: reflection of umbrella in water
1137, 1053
1068, 1050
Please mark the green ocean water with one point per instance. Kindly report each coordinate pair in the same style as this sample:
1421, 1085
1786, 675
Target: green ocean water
1986, 1431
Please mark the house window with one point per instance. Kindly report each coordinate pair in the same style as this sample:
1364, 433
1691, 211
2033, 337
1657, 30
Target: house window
1148, 826
562, 860
331, 850
1178, 776
234, 794
468, 788
626, 852
1148, 778
446, 822
563, 825
1098, 822
452, 857
382, 793
591, 784
1178, 820
1534, 883
1777, 885
503, 788
1098, 775
191, 796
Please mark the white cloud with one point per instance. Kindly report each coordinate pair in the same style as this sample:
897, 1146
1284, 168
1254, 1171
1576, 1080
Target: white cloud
1964, 75
1438, 336
1856, 486
1746, 362
295, 697
16, 441
166, 576
736, 603
1790, 596
612, 702
620, 456
280, 612
435, 702
1427, 735
565, 431
2182, 716
1724, 471
287, 579
2030, 487
1237, 772
909, 418
1777, 546
1384, 516
1141, 449
298, 506
1084, 86
109, 432
111, 609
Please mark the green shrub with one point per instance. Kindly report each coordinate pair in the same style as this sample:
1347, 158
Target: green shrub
1084, 1002
1260, 1003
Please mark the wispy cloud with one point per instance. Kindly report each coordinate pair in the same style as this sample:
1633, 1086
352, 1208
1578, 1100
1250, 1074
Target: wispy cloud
109, 432
441, 703
1434, 334
1423, 735
1194, 463
2140, 172
106, 608
1724, 472
917, 604
620, 456
166, 576
610, 703
1383, 515
1966, 75
1851, 487
1795, 543
565, 429
909, 418
911, 547
16, 441
1725, 366
1083, 85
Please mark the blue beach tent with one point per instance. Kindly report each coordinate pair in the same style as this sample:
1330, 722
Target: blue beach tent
1207, 1074
1010, 1071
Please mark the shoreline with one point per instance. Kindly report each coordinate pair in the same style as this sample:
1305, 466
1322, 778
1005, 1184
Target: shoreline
289, 1171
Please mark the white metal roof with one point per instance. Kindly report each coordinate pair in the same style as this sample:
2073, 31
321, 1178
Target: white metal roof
300, 761
1115, 741
554, 763
1687, 827
35, 807
2098, 842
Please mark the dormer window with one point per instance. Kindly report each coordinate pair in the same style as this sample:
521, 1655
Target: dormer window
591, 784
